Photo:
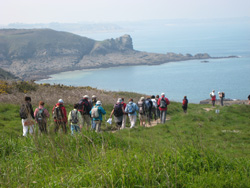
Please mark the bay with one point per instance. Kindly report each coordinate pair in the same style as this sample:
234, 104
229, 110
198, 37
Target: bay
192, 78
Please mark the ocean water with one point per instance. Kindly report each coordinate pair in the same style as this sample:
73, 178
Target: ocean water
191, 78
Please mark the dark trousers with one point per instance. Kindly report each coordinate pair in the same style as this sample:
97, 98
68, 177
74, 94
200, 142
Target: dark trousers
42, 127
61, 124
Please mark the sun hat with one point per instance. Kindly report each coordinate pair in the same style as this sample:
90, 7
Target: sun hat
142, 98
99, 103
60, 101
119, 100
85, 96
93, 96
163, 94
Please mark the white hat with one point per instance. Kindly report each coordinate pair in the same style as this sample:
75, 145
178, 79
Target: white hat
163, 94
98, 103
93, 96
85, 96
119, 100
60, 101
142, 98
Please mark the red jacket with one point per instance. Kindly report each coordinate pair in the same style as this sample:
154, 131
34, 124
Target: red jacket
214, 98
63, 111
159, 101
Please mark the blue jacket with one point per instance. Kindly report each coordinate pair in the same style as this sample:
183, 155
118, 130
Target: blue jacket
101, 112
134, 107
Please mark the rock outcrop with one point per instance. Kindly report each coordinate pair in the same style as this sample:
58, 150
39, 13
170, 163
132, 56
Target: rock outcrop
37, 53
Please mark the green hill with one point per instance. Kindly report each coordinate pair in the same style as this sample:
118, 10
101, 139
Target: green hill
197, 149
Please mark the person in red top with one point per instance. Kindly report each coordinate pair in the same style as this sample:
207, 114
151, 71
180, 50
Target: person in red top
60, 116
162, 103
185, 104
124, 119
213, 97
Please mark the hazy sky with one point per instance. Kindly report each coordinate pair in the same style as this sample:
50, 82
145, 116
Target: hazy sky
46, 11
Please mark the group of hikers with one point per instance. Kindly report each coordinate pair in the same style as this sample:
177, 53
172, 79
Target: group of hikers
213, 97
90, 112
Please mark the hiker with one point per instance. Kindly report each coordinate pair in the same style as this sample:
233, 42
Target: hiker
93, 103
163, 102
118, 112
131, 109
96, 113
75, 119
213, 97
84, 108
41, 115
27, 116
248, 99
185, 104
149, 105
154, 107
142, 111
222, 96
124, 119
60, 116
157, 110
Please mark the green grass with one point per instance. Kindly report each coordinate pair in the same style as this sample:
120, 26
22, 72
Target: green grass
198, 149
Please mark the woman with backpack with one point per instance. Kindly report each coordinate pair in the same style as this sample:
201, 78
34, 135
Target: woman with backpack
118, 112
185, 104
131, 109
142, 111
163, 102
60, 116
96, 113
75, 119
41, 115
27, 116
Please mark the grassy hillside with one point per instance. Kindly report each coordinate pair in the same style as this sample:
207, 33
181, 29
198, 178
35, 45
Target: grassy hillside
4, 75
198, 149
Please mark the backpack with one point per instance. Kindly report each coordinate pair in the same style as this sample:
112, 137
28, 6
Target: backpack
131, 109
74, 118
23, 111
118, 110
95, 112
40, 115
57, 114
141, 106
163, 103
154, 103
223, 94
148, 104
84, 106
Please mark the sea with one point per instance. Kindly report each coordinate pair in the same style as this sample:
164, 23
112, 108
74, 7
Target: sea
194, 79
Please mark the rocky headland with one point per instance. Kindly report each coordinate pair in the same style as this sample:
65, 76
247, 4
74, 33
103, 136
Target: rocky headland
33, 54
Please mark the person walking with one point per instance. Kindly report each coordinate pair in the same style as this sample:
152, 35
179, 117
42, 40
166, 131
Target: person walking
149, 105
75, 120
185, 104
93, 103
154, 107
131, 109
84, 108
27, 115
125, 115
157, 109
248, 99
213, 97
222, 96
60, 116
142, 111
163, 102
118, 112
96, 113
41, 115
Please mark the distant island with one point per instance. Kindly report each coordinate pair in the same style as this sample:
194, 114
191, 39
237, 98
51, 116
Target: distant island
33, 54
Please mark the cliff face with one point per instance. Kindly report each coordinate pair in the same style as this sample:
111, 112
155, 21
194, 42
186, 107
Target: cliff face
37, 53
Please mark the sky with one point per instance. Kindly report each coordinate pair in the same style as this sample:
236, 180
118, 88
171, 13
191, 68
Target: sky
74, 11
